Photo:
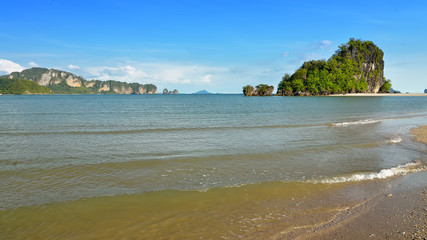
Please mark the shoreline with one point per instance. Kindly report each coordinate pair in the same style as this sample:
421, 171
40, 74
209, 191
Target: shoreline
397, 212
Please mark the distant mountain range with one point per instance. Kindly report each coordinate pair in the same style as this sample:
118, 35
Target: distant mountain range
61, 82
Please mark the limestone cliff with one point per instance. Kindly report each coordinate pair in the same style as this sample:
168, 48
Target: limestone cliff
356, 67
62, 82
369, 59
46, 77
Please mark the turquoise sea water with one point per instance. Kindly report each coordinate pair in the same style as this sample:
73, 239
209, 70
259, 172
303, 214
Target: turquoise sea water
64, 148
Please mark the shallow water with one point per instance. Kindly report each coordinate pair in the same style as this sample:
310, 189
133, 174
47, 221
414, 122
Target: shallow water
163, 165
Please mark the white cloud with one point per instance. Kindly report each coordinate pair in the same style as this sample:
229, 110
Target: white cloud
322, 44
33, 64
156, 73
71, 66
126, 73
9, 66
207, 78
284, 54
187, 78
311, 51
326, 43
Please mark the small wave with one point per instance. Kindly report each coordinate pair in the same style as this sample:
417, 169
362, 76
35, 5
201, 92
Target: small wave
410, 167
137, 131
360, 122
395, 140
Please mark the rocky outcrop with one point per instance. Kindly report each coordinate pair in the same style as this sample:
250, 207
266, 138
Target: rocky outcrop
90, 83
248, 91
65, 82
105, 87
166, 91
356, 67
261, 90
369, 59
72, 81
124, 90
46, 77
264, 90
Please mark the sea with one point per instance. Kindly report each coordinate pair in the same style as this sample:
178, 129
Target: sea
195, 166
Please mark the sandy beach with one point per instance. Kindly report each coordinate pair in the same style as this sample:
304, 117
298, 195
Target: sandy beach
420, 134
397, 212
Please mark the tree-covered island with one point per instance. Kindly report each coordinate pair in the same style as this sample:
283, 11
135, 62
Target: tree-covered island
52, 81
356, 67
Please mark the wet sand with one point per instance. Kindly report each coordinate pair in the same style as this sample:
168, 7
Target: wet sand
420, 134
397, 212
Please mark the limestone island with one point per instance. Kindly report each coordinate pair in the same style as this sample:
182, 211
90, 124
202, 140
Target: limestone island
356, 67
52, 81
166, 91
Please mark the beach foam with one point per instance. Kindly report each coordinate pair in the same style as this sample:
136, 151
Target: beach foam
359, 122
395, 140
410, 167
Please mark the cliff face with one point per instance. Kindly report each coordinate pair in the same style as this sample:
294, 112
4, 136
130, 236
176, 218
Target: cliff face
64, 82
369, 59
356, 67
45, 77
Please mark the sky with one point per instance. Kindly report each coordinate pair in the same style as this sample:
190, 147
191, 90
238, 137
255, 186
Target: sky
218, 45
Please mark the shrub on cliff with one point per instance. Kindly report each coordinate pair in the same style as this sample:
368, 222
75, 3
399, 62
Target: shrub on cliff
386, 88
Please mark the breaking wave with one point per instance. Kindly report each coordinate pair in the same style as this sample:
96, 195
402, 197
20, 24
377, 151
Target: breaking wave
410, 167
395, 140
359, 122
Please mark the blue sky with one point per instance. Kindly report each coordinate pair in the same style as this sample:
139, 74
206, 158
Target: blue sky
216, 45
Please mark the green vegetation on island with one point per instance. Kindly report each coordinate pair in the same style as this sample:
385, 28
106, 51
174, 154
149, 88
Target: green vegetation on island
61, 82
21, 86
356, 67
261, 90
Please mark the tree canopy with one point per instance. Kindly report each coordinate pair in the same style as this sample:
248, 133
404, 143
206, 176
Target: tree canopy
21, 86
